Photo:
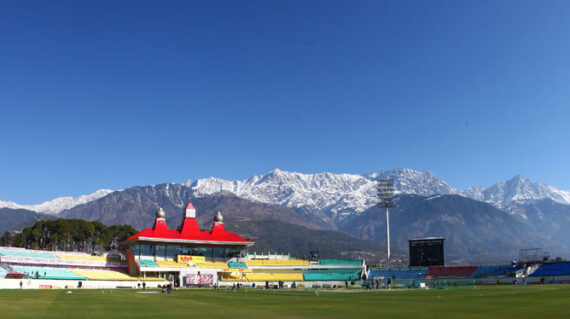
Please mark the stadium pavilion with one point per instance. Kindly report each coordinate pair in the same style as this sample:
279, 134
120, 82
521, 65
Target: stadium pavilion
187, 256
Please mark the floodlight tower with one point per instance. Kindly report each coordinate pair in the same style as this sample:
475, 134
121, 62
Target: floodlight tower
385, 192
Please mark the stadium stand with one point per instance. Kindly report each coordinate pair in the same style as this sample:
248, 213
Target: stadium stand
212, 264
48, 273
237, 265
398, 273
450, 272
30, 254
268, 277
87, 257
277, 262
340, 270
171, 264
320, 276
340, 262
103, 275
147, 263
494, 271
554, 269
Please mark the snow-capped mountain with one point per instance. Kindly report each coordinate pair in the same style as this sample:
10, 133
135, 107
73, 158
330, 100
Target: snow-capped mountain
339, 194
59, 204
518, 190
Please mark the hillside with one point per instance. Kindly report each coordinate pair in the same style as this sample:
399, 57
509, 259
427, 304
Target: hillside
474, 231
17, 219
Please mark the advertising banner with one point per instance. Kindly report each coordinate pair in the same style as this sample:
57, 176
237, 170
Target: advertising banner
190, 259
199, 280
25, 260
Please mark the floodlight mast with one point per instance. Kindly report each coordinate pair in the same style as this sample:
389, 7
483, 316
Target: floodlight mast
385, 192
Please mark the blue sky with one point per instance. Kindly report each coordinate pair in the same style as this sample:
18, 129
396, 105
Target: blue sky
112, 94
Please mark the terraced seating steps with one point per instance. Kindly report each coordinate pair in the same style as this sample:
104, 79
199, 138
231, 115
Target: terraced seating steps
237, 265
554, 269
494, 271
33, 254
340, 262
277, 262
171, 263
398, 273
48, 273
104, 275
212, 264
453, 272
310, 276
87, 257
147, 263
268, 277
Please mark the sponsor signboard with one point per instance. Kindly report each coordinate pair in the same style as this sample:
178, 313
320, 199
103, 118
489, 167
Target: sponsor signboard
25, 260
190, 259
202, 280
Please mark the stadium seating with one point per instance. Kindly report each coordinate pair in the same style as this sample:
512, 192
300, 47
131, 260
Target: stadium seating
171, 264
86, 257
340, 262
494, 271
269, 277
341, 270
147, 263
32, 254
213, 264
103, 275
453, 272
237, 265
398, 273
331, 276
277, 262
554, 269
48, 273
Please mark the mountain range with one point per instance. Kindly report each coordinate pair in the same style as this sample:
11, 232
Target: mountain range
480, 224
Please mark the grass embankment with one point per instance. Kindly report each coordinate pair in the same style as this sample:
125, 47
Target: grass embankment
544, 301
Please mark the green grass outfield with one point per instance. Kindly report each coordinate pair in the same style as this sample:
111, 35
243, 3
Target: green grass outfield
538, 301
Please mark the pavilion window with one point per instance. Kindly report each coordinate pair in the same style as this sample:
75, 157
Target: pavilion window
219, 253
172, 251
161, 251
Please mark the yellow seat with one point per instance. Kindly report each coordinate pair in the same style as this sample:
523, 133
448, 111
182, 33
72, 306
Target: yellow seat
104, 275
213, 264
171, 263
266, 277
87, 258
265, 262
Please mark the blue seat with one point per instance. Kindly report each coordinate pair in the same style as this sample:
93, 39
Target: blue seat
554, 269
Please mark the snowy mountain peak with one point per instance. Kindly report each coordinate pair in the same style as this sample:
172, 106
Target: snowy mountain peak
517, 189
334, 193
409, 181
337, 195
59, 204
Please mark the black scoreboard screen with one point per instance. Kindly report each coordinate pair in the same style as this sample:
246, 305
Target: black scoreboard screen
426, 252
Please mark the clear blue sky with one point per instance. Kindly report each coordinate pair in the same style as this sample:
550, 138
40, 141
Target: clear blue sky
112, 94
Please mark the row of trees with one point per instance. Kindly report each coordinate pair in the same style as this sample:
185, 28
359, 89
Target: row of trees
70, 235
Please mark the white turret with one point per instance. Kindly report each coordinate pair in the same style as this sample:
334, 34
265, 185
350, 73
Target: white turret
190, 211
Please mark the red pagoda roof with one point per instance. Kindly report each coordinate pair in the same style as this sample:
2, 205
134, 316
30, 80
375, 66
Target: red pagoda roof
189, 232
